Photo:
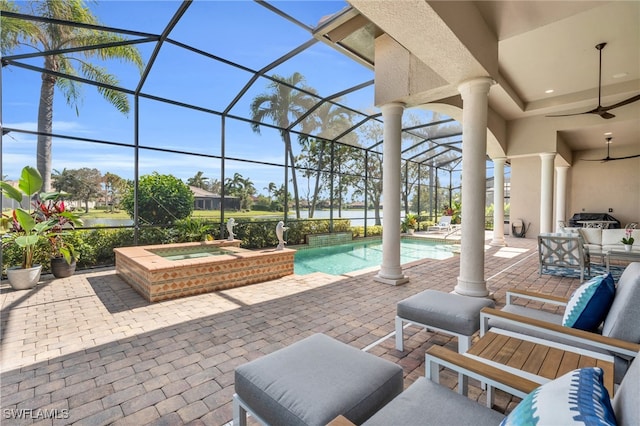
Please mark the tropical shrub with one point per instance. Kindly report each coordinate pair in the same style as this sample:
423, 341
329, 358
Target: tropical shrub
162, 199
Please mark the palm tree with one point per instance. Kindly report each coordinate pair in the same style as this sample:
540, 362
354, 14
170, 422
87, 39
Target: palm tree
271, 189
283, 105
328, 120
199, 180
44, 37
242, 188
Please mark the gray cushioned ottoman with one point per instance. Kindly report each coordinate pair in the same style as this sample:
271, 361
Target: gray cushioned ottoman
313, 381
428, 403
446, 312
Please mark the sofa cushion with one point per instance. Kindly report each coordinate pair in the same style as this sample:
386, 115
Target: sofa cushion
578, 397
624, 315
592, 235
590, 303
615, 236
625, 400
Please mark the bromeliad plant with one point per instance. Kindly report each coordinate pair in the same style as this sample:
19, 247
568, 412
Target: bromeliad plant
628, 239
26, 226
51, 207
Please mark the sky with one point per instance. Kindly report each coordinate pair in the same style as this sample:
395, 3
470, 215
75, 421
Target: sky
239, 31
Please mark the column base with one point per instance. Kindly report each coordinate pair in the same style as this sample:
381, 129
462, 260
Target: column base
391, 281
473, 289
498, 243
491, 295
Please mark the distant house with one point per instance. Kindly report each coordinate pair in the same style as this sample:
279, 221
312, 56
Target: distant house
205, 200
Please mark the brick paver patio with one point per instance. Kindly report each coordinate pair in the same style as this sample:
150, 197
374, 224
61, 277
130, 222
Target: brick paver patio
89, 350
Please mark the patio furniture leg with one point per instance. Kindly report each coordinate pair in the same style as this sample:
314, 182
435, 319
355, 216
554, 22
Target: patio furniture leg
464, 343
239, 413
399, 334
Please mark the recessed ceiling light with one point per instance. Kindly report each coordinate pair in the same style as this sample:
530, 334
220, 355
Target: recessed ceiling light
620, 75
548, 91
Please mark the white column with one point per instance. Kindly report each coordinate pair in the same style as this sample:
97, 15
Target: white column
474, 173
390, 270
546, 191
498, 201
561, 195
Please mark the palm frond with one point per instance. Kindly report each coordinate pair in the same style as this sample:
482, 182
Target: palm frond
114, 97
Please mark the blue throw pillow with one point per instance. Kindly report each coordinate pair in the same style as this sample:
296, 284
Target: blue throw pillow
577, 398
590, 303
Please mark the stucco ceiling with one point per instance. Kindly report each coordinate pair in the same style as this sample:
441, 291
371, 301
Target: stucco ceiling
551, 45
540, 45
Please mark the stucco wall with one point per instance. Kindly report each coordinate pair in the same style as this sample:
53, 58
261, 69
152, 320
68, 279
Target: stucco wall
525, 192
598, 186
592, 187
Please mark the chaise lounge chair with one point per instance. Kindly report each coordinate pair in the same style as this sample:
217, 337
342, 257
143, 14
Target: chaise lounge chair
443, 226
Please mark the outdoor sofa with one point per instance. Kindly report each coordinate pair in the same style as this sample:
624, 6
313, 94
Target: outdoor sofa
426, 402
598, 241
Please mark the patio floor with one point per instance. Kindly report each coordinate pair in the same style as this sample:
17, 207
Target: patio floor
91, 348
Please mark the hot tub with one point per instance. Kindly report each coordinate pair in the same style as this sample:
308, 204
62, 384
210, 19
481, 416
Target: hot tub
170, 271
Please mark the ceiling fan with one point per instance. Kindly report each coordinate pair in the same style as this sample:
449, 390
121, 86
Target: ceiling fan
608, 158
600, 110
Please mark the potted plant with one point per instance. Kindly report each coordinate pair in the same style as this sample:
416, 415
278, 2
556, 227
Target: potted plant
410, 223
628, 240
51, 207
26, 229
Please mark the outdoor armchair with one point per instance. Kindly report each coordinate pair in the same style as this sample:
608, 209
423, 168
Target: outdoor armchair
563, 251
618, 335
426, 402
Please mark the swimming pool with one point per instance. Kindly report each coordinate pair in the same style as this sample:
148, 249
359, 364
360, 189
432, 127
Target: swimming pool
344, 258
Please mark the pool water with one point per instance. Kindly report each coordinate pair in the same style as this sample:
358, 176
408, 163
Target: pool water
344, 258
189, 253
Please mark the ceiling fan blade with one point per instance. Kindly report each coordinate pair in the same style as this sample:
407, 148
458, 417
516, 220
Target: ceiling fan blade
568, 115
600, 110
604, 160
622, 103
606, 115
624, 158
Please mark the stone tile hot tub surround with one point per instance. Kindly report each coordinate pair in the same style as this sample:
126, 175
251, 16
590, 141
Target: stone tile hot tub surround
157, 278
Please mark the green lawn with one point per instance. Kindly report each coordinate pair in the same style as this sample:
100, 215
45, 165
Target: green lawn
201, 214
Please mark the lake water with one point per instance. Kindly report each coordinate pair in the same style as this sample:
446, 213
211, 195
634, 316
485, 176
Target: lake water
356, 217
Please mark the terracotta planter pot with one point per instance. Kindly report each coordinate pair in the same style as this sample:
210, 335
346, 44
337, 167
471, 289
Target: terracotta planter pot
61, 269
22, 279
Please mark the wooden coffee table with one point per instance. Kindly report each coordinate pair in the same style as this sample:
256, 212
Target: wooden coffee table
535, 359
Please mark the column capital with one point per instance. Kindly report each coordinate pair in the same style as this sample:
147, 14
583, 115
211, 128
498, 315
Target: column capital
499, 160
562, 167
392, 107
478, 84
547, 155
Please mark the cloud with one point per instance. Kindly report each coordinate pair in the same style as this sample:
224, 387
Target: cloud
58, 126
